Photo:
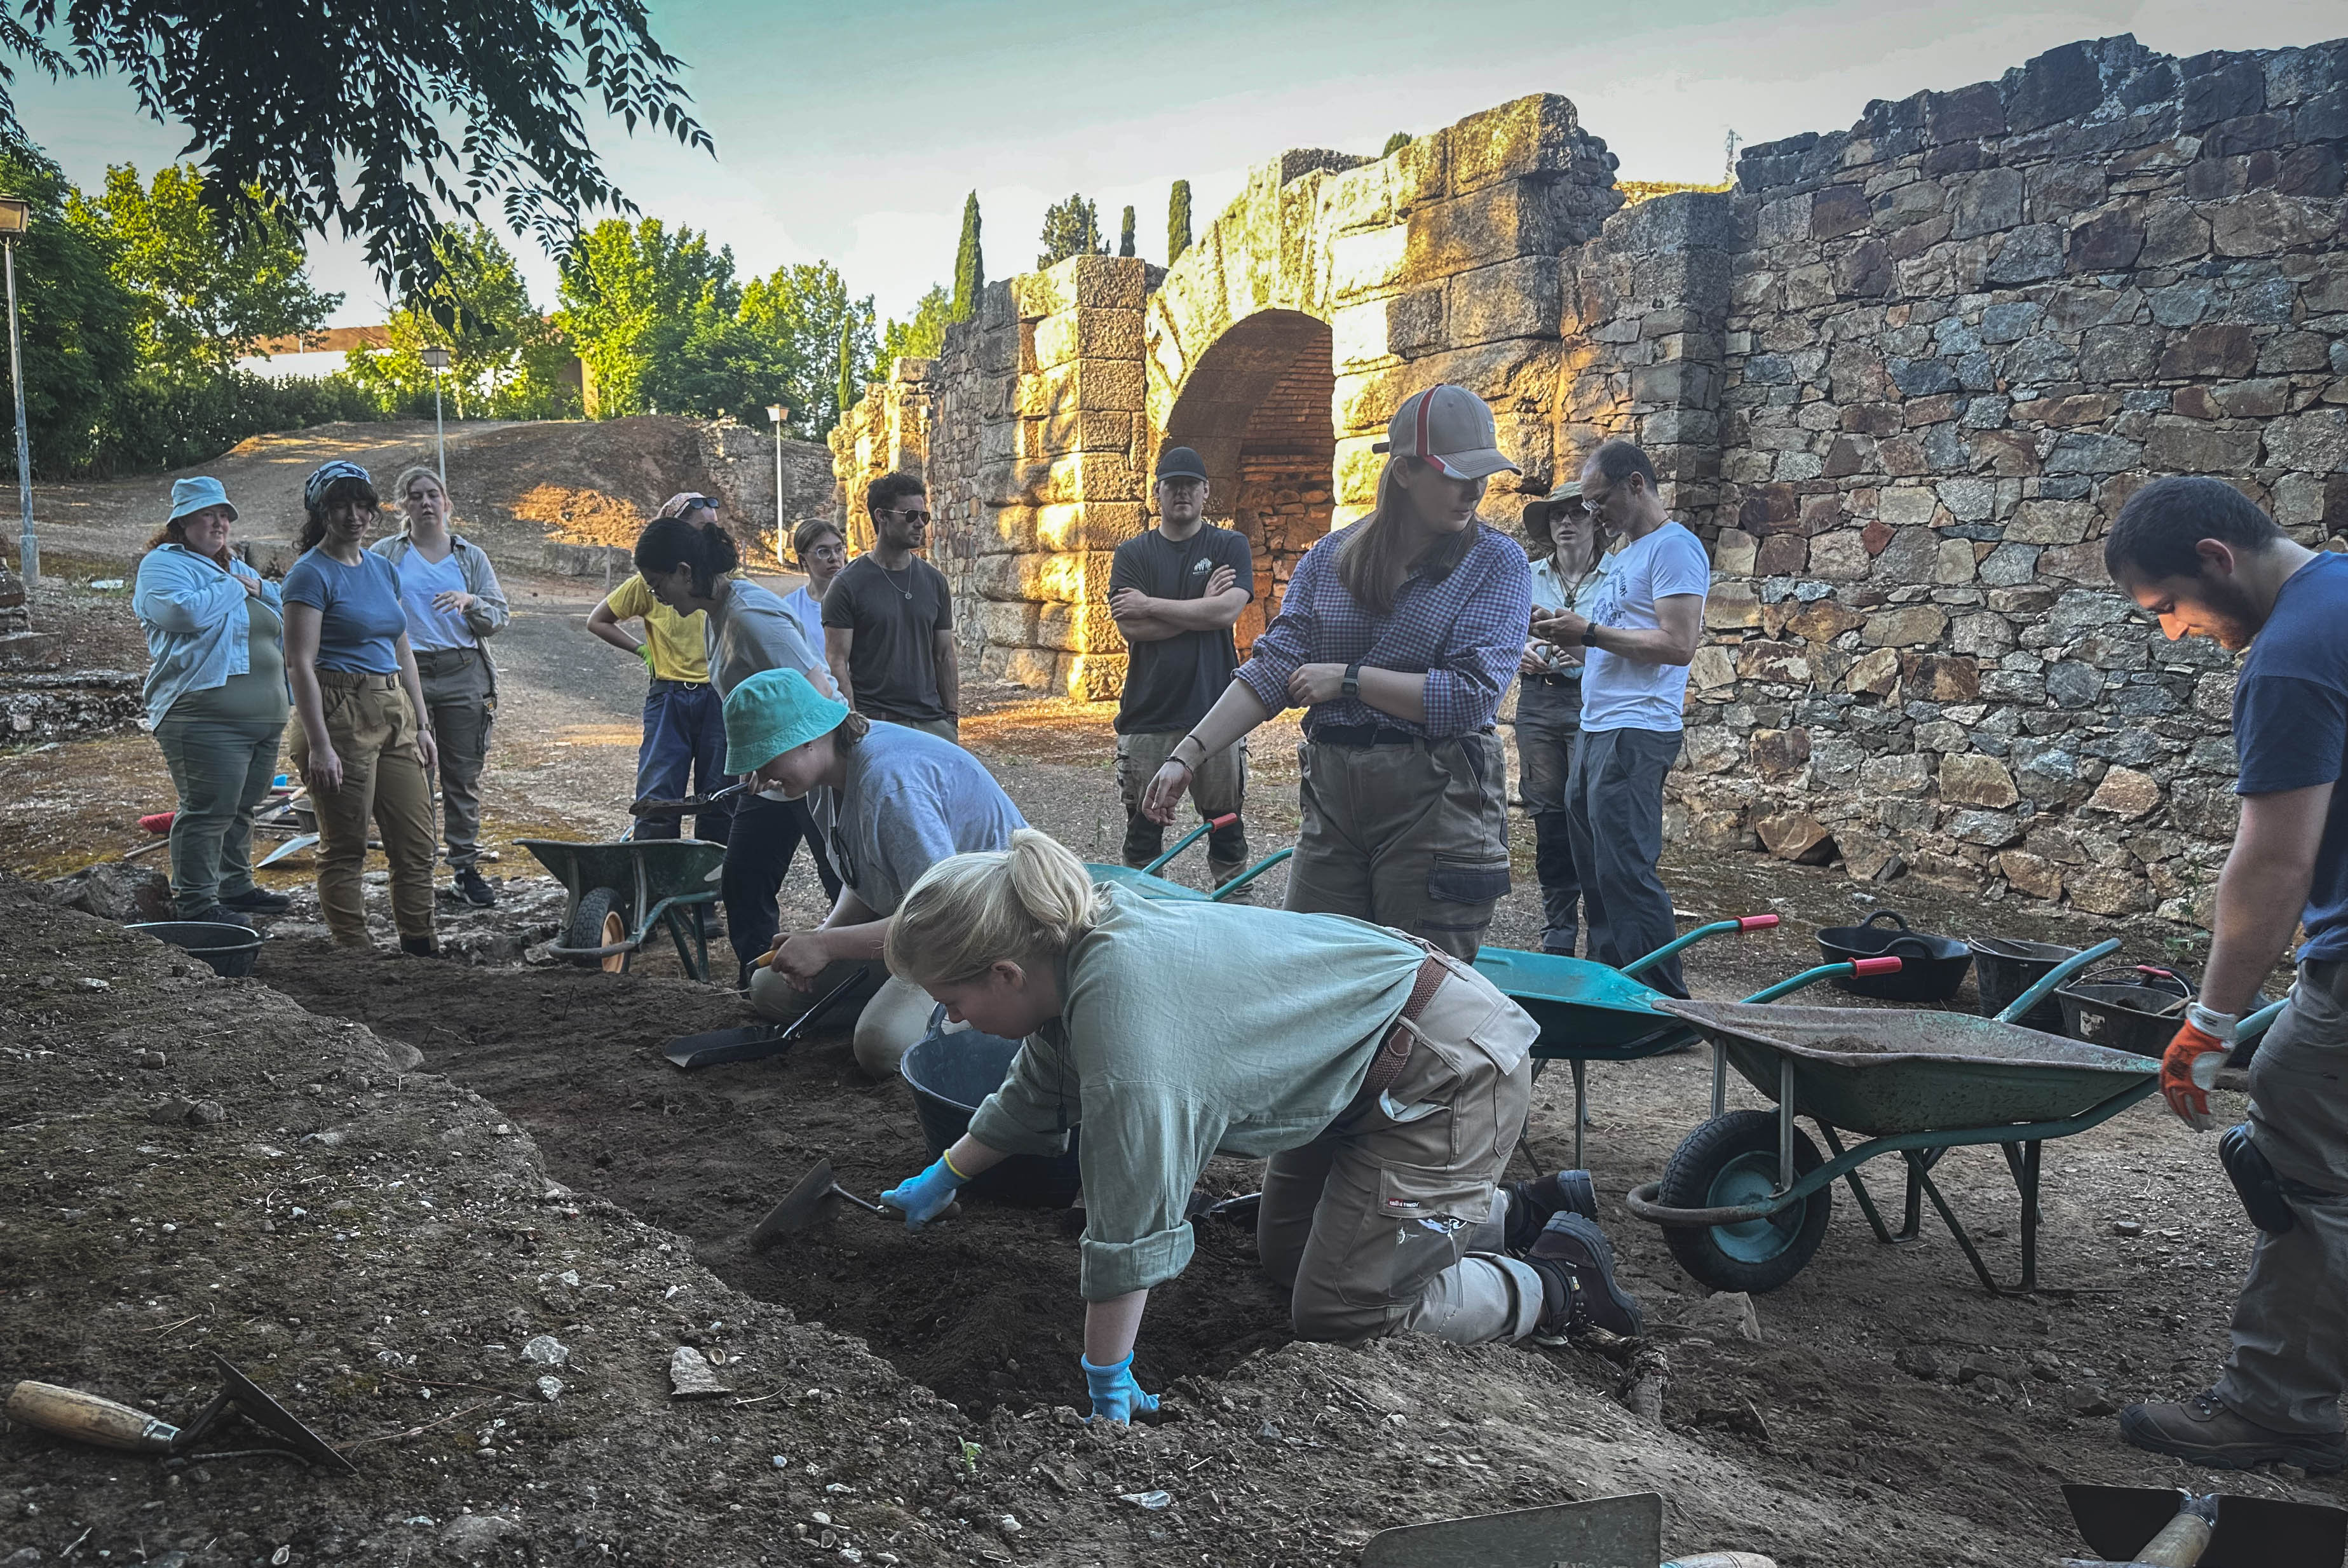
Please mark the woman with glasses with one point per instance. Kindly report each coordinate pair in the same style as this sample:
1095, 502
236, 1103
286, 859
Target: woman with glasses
1569, 564
693, 574
454, 606
892, 801
821, 552
1397, 635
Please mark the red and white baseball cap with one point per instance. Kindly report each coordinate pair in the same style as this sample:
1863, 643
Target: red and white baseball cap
1452, 428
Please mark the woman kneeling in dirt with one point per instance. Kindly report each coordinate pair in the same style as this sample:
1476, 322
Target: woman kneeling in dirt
891, 800
1386, 1082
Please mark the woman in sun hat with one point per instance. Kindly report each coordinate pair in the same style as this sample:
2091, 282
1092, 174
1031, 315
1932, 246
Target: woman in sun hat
1398, 635
891, 800
215, 699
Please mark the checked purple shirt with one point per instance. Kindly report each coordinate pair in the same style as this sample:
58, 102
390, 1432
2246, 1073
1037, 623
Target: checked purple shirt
1466, 633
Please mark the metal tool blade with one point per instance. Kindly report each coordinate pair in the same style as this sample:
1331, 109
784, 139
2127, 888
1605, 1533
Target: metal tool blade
1604, 1533
263, 1412
755, 1042
2117, 1522
810, 1202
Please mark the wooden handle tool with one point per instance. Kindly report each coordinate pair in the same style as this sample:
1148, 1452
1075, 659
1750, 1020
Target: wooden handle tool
86, 1418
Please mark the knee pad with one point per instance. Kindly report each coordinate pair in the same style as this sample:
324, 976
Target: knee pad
2255, 1182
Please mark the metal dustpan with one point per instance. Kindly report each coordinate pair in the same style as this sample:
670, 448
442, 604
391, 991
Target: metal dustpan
752, 1042
1605, 1532
2120, 1521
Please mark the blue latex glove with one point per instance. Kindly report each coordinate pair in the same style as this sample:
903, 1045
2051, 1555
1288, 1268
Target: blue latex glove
1115, 1394
926, 1195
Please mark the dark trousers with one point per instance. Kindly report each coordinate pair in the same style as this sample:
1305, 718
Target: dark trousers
685, 735
764, 834
1549, 721
1614, 810
222, 770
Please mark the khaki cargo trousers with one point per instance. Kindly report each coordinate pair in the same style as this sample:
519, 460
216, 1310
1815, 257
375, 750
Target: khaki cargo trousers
1392, 1220
373, 729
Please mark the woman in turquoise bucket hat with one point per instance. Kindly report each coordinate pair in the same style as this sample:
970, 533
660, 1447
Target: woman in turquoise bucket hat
890, 801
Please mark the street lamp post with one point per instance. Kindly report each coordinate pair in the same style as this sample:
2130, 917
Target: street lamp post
777, 414
15, 215
436, 360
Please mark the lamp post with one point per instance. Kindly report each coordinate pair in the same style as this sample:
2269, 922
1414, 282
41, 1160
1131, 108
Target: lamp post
436, 360
777, 414
16, 214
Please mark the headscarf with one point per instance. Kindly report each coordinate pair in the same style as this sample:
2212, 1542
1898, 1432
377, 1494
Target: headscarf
314, 488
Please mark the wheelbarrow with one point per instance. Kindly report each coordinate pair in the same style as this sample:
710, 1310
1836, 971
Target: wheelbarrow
621, 890
1146, 881
1746, 1197
1589, 1012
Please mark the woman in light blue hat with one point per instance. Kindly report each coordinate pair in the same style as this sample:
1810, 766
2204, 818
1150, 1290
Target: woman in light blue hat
216, 699
891, 800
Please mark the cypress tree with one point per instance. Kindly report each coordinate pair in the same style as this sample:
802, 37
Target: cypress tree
970, 266
846, 388
1396, 143
1125, 238
1178, 222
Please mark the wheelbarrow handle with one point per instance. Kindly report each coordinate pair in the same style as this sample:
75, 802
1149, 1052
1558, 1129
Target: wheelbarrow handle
1715, 928
1251, 874
2258, 1022
2046, 984
1826, 972
1189, 839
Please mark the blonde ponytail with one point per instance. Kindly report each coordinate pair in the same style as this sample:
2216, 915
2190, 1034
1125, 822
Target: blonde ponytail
1025, 903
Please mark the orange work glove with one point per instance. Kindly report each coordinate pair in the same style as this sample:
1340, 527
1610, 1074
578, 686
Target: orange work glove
2186, 1091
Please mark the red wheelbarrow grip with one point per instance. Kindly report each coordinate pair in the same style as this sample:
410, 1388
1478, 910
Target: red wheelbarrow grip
158, 822
1756, 922
1225, 820
1875, 965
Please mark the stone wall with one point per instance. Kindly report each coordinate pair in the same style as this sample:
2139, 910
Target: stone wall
738, 463
1899, 378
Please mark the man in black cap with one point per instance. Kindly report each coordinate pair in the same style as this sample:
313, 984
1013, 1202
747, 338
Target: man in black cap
1176, 592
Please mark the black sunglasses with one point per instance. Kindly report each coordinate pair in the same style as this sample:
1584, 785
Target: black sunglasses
921, 518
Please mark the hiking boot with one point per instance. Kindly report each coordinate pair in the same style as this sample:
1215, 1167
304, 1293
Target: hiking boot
2202, 1430
1530, 1205
473, 889
1576, 1264
258, 901
219, 915
419, 947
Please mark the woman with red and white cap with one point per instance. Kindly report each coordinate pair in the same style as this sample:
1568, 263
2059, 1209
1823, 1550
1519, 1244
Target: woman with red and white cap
1398, 635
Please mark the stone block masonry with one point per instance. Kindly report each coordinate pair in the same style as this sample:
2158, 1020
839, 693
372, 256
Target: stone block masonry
1899, 378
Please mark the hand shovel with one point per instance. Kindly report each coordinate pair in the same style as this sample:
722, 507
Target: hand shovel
757, 1041
2162, 1527
816, 1199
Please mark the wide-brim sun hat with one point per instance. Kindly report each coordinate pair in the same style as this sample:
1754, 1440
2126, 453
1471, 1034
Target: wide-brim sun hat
190, 496
1540, 516
771, 713
1450, 427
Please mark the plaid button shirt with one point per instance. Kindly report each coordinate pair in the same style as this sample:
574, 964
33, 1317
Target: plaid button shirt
1464, 633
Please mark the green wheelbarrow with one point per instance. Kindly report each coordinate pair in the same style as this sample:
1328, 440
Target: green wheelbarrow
1146, 881
1744, 1200
621, 890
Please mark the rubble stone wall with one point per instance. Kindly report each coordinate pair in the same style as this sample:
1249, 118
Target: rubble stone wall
1899, 377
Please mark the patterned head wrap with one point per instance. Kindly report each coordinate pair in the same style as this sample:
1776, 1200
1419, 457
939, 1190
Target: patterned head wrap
314, 488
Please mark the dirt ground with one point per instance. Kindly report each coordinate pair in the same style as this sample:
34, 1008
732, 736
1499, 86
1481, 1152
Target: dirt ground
380, 1239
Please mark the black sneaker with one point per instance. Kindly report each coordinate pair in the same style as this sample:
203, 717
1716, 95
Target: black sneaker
1576, 1264
258, 901
472, 889
218, 915
2202, 1430
1530, 1205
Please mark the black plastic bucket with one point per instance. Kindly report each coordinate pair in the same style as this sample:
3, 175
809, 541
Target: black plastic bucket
949, 1075
2125, 1018
2004, 969
229, 949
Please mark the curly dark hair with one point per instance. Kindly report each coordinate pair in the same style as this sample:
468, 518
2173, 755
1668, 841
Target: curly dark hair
347, 489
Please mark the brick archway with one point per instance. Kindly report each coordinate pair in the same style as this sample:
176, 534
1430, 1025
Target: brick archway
1256, 408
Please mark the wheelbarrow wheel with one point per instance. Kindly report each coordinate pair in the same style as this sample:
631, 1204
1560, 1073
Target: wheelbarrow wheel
1729, 1160
598, 923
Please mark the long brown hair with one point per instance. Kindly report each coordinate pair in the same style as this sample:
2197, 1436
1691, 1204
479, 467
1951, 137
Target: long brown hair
1383, 550
349, 488
175, 532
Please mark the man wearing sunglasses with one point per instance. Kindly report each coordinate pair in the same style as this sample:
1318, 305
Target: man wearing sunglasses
888, 620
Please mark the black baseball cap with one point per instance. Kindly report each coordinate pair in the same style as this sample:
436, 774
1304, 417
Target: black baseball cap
1180, 462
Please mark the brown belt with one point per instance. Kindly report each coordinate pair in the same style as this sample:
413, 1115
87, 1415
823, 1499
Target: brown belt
1394, 1051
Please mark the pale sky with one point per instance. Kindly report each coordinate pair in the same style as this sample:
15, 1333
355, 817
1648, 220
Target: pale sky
852, 133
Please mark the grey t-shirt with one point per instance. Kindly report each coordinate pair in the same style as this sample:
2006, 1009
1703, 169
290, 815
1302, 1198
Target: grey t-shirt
750, 630
910, 800
896, 617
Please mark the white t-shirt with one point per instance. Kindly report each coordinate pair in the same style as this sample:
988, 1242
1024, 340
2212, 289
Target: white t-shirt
420, 581
808, 610
1620, 693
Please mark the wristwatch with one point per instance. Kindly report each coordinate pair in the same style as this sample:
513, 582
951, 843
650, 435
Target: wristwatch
1590, 636
1352, 687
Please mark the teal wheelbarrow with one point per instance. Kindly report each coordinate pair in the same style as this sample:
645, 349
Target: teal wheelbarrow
1146, 881
1744, 1200
621, 892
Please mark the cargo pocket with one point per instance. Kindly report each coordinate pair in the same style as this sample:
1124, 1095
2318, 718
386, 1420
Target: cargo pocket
1467, 880
1417, 1228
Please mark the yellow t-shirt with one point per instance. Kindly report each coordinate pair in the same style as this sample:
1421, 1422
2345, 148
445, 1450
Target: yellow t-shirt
679, 643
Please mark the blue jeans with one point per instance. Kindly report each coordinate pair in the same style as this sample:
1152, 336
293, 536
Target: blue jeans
1614, 810
685, 736
1549, 721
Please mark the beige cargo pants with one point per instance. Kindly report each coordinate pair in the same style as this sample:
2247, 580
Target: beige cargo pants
373, 729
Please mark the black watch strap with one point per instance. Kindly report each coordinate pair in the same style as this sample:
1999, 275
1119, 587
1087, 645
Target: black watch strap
1352, 688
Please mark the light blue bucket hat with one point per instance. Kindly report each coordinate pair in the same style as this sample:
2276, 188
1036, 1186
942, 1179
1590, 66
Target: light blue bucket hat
194, 494
771, 713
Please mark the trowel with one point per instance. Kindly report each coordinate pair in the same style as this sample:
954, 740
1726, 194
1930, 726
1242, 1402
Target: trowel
87, 1418
817, 1198
2162, 1527
756, 1042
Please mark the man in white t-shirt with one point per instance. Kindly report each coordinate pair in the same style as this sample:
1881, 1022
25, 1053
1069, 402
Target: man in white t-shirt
1642, 630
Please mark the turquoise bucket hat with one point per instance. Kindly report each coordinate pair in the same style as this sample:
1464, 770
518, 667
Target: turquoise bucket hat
194, 494
769, 713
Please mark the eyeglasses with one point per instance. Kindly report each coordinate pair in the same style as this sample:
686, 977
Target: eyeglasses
921, 518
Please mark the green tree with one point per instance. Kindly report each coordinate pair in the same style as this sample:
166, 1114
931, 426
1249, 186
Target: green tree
622, 281
376, 117
1124, 235
1395, 144
209, 287
1178, 221
1071, 228
805, 313
924, 336
77, 322
846, 391
505, 358
970, 265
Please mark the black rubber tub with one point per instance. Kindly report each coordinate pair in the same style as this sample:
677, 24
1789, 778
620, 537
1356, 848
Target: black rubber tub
229, 949
949, 1075
2141, 1018
1932, 969
2005, 970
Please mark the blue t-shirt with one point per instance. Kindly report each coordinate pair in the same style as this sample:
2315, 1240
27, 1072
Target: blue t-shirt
359, 617
2291, 728
1620, 693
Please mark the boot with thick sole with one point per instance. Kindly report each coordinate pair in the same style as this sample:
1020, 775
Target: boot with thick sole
474, 890
1530, 1205
2203, 1430
1576, 1264
258, 901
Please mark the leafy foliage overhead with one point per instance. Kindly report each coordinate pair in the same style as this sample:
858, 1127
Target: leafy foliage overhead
505, 359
